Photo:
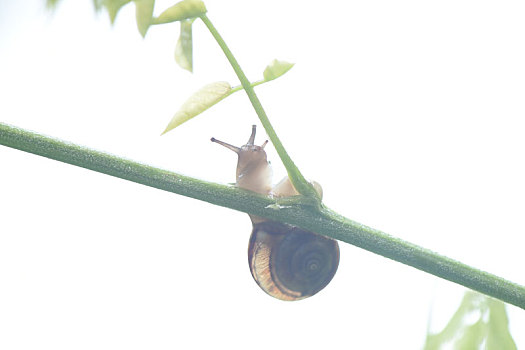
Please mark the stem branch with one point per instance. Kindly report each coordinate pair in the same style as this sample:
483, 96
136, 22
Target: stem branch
298, 180
297, 212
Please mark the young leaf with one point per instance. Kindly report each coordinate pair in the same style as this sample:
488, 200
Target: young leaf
144, 14
113, 7
185, 9
199, 102
478, 321
184, 48
275, 69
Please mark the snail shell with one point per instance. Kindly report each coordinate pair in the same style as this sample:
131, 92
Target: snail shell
287, 262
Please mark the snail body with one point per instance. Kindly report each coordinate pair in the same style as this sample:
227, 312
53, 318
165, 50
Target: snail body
287, 262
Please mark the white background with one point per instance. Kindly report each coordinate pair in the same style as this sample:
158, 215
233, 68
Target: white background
409, 113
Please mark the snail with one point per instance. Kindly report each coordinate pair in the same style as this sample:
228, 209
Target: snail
287, 262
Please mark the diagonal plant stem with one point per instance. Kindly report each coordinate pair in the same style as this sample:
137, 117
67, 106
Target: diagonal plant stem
297, 178
296, 212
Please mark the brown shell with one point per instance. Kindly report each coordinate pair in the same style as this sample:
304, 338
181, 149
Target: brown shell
289, 263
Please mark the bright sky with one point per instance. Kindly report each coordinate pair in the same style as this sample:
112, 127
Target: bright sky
408, 113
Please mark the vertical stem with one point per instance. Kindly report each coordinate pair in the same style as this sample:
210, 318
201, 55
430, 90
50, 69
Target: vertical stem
298, 180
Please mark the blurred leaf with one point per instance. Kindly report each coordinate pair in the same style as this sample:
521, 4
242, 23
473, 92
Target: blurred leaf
185, 9
480, 322
184, 48
472, 337
52, 4
276, 69
498, 335
113, 7
199, 102
456, 322
98, 4
144, 14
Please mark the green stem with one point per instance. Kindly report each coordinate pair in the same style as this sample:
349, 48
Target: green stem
298, 180
254, 84
296, 212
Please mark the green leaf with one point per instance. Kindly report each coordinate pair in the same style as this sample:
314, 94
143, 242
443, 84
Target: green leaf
144, 14
478, 321
447, 334
113, 7
185, 9
276, 69
498, 335
184, 47
52, 4
98, 4
473, 336
199, 102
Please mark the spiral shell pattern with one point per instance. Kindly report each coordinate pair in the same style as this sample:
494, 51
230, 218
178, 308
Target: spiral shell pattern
289, 263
